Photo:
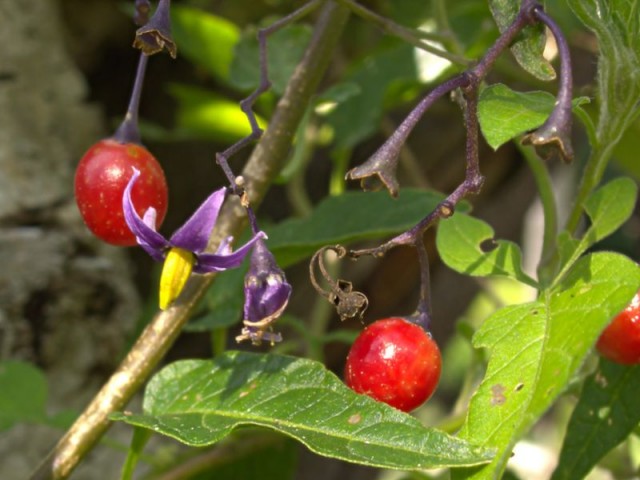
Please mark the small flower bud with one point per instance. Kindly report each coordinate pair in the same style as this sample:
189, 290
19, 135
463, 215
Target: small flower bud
266, 294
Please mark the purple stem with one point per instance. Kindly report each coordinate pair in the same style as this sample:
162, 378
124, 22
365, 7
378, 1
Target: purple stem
128, 131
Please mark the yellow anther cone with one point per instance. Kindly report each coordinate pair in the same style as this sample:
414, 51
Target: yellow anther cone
175, 272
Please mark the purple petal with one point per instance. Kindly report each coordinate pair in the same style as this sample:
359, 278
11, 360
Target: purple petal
146, 235
266, 290
216, 262
194, 234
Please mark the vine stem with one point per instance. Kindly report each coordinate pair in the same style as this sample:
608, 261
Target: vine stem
260, 171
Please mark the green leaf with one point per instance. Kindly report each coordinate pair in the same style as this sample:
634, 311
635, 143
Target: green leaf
199, 402
616, 23
608, 208
626, 152
466, 245
275, 460
605, 415
350, 217
537, 348
530, 44
205, 39
223, 302
23, 394
505, 114
284, 51
205, 115
359, 115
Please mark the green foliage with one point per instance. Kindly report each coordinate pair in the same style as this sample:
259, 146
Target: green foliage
23, 397
205, 39
616, 23
284, 50
276, 460
350, 217
530, 44
203, 114
466, 245
505, 114
359, 115
23, 394
199, 402
536, 349
605, 415
608, 208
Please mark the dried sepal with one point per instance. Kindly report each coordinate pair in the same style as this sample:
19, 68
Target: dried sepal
156, 36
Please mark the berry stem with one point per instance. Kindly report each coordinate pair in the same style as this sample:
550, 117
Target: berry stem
128, 131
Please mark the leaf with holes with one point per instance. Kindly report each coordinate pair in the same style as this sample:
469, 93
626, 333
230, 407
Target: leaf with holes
466, 244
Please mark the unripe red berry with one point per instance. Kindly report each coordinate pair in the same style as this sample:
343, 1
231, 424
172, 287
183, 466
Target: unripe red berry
101, 177
620, 341
396, 362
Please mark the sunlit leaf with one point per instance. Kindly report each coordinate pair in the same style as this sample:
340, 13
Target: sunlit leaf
205, 39
199, 402
608, 208
505, 114
530, 44
206, 115
467, 245
536, 348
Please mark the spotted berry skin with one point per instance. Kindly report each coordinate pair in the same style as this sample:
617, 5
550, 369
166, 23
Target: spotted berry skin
101, 177
395, 362
620, 341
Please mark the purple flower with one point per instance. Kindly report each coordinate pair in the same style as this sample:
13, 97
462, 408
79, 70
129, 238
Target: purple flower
184, 251
266, 294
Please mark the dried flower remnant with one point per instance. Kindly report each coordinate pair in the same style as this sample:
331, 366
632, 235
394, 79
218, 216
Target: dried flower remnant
349, 303
184, 252
266, 293
156, 36
554, 136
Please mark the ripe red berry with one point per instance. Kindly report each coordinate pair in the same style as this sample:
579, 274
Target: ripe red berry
620, 341
101, 177
396, 362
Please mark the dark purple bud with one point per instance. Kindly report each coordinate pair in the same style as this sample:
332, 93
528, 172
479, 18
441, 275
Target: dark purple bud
155, 36
266, 293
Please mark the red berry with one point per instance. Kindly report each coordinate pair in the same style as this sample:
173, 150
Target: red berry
396, 362
620, 341
101, 177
